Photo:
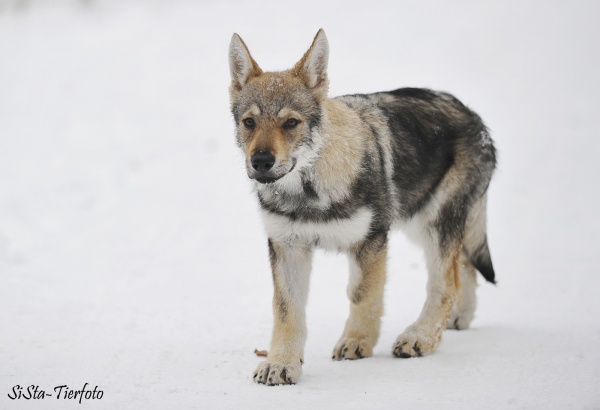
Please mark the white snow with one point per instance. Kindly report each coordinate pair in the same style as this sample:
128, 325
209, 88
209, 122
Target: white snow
132, 255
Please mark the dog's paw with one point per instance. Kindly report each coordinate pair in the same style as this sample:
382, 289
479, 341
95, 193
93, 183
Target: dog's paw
351, 348
272, 374
417, 342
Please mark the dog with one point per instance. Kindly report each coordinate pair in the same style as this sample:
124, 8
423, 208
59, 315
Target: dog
340, 174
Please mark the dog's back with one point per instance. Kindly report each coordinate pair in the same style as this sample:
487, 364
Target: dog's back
440, 151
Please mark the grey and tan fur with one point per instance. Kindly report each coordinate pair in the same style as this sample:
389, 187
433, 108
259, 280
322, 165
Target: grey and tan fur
340, 174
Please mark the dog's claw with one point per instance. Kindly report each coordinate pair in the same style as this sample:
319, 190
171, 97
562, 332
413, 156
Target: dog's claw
273, 374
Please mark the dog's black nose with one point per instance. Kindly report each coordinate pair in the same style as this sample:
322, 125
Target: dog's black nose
262, 161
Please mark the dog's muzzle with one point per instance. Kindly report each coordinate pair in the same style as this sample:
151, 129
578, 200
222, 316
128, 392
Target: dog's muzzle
262, 163
263, 167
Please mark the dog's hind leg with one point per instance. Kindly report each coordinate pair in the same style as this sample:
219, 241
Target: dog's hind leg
424, 336
463, 311
365, 291
475, 255
291, 265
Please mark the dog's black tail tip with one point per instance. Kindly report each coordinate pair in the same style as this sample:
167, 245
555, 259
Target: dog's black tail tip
487, 271
481, 259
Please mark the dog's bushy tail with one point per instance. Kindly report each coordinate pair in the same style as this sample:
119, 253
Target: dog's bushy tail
480, 258
475, 243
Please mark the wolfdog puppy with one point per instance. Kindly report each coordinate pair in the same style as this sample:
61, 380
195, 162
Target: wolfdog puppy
340, 174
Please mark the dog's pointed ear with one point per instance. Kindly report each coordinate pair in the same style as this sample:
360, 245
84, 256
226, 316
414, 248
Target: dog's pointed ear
312, 67
241, 64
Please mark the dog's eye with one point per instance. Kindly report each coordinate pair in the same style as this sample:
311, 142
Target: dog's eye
291, 123
249, 122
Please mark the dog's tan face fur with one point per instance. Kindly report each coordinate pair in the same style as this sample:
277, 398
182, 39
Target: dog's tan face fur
275, 111
276, 128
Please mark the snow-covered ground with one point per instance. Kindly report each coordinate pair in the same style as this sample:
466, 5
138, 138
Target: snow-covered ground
132, 256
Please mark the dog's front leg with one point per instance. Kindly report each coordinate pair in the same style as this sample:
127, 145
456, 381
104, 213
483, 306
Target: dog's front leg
365, 291
291, 265
423, 337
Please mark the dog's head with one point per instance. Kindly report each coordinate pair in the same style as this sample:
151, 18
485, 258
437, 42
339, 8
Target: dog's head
276, 113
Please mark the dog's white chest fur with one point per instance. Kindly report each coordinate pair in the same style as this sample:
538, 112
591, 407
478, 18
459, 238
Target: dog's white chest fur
336, 234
